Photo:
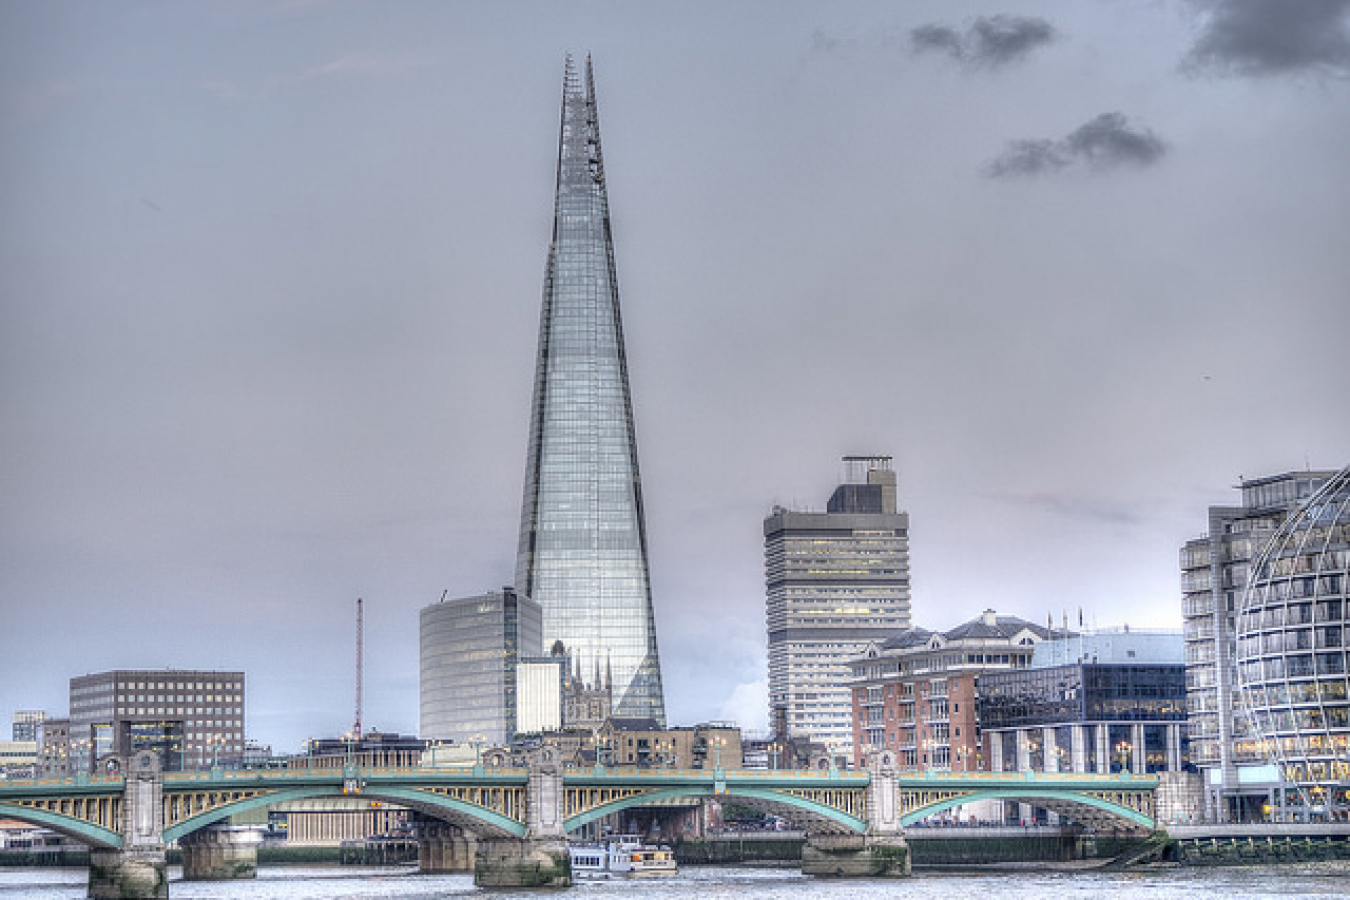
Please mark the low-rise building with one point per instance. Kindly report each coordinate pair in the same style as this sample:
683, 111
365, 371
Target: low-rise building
643, 743
1111, 701
915, 693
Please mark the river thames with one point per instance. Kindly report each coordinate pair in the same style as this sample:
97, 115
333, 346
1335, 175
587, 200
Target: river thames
719, 883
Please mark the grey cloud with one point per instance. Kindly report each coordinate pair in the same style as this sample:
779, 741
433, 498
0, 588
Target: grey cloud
937, 37
1029, 158
1272, 37
1076, 507
1107, 142
824, 42
987, 41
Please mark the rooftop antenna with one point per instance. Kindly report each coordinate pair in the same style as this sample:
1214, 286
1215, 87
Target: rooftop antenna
360, 629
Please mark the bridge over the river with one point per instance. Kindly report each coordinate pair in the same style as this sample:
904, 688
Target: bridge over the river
520, 817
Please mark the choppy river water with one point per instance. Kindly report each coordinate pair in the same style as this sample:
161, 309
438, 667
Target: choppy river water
719, 883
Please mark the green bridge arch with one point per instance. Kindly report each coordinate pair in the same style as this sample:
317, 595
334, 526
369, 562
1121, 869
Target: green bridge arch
96, 836
1030, 795
438, 805
789, 803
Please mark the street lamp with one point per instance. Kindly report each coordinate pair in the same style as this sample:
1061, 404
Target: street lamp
477, 742
215, 741
1123, 748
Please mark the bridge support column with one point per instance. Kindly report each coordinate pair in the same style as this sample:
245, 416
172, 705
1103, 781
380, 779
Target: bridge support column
137, 871
445, 848
221, 853
856, 856
540, 858
522, 862
882, 852
128, 875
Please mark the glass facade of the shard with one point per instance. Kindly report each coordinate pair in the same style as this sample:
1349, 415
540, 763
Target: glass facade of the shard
583, 545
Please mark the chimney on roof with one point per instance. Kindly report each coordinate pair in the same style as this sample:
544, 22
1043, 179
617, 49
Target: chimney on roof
990, 618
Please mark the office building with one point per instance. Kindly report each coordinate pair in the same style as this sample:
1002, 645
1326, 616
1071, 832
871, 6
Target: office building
1110, 701
583, 545
915, 692
18, 759
28, 725
192, 719
834, 581
469, 651
373, 749
644, 744
1239, 778
54, 760
1291, 655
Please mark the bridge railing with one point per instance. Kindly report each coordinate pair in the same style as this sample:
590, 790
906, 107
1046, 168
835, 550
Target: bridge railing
639, 773
1049, 777
299, 774
64, 781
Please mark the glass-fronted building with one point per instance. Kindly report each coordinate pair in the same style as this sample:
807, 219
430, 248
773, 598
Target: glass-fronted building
469, 652
1291, 655
834, 581
1114, 715
1239, 779
583, 546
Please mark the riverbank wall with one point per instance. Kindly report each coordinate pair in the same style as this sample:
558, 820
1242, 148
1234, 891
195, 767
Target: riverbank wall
929, 847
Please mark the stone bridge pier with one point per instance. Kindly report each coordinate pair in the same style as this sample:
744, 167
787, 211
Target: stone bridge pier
221, 853
540, 857
136, 870
882, 851
442, 847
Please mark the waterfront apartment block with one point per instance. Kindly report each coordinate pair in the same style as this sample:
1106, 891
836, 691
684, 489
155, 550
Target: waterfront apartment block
834, 581
915, 692
193, 719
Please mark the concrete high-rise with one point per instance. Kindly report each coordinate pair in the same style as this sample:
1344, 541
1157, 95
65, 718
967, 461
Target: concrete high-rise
583, 545
1215, 571
834, 581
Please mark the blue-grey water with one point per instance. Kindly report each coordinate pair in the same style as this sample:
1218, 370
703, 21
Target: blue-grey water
716, 883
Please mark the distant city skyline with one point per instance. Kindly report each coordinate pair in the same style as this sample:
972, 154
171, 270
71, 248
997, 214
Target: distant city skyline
271, 279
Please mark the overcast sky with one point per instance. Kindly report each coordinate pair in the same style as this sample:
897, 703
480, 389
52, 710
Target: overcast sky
271, 273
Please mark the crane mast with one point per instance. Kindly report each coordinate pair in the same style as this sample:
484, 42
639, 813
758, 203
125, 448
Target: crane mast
360, 630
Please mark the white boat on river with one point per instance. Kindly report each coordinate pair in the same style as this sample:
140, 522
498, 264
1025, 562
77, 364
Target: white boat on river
620, 854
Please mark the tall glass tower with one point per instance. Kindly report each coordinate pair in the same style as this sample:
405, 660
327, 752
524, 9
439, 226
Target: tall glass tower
583, 542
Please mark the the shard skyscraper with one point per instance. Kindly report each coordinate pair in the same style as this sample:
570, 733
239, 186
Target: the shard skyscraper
583, 541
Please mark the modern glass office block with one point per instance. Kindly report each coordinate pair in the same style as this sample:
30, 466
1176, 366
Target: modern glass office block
583, 545
1292, 651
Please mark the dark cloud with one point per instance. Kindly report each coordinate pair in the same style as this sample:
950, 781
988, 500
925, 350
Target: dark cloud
1107, 142
941, 38
987, 41
1272, 37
